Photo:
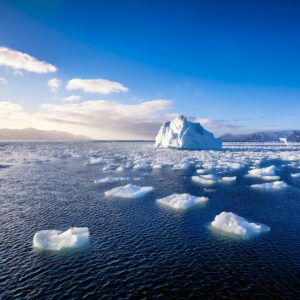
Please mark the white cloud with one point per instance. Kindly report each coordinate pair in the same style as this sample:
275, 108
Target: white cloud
3, 81
17, 60
100, 119
72, 98
99, 86
54, 84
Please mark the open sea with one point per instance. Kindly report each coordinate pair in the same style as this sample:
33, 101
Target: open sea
139, 249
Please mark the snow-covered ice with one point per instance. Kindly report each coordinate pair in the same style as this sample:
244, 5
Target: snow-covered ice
181, 201
204, 181
57, 240
183, 134
234, 224
129, 191
111, 179
274, 185
96, 161
267, 173
228, 179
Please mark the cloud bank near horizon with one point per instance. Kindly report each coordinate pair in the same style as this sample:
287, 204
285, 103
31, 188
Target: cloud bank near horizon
101, 119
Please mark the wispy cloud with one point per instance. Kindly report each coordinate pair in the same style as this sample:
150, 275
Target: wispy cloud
17, 60
54, 84
99, 86
72, 98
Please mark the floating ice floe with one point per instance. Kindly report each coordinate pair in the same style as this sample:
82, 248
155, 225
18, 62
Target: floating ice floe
143, 167
228, 179
205, 180
111, 179
96, 161
234, 224
275, 185
183, 134
210, 179
181, 201
295, 175
185, 166
267, 173
129, 191
110, 167
57, 240
201, 171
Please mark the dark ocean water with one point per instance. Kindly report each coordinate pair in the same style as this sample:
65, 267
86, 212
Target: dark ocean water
139, 250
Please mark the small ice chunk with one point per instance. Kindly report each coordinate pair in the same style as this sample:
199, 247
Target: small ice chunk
270, 178
275, 185
120, 169
203, 180
228, 179
111, 179
110, 167
201, 171
232, 223
157, 166
96, 161
295, 175
142, 167
57, 240
129, 191
181, 201
267, 173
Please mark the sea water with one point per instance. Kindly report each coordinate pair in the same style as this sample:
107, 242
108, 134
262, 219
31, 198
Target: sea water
139, 249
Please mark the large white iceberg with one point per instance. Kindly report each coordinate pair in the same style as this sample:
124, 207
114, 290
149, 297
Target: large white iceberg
234, 224
181, 201
56, 240
129, 191
183, 134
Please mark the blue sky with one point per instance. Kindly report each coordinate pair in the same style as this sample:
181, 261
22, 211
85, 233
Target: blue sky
234, 65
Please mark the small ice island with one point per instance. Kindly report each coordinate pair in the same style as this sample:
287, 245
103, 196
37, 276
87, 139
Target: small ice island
183, 134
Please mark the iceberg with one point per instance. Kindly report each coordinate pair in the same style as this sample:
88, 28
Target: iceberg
275, 185
129, 191
57, 240
234, 224
181, 201
183, 134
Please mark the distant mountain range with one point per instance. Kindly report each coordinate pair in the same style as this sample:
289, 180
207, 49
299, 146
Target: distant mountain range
31, 134
263, 136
